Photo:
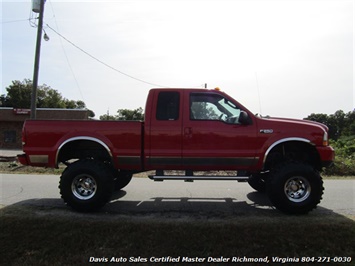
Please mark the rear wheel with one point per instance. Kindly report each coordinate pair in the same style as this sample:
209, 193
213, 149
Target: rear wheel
122, 179
86, 185
295, 188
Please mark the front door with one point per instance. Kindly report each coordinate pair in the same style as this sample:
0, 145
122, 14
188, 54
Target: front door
213, 137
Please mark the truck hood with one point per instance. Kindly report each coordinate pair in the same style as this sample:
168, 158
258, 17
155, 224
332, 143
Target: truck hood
297, 121
316, 133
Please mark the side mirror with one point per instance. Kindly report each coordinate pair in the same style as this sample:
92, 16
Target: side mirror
243, 118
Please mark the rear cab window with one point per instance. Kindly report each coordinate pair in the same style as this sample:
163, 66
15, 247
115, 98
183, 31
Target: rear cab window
168, 106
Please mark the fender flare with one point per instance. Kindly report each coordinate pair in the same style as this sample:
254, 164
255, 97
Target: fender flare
282, 141
103, 144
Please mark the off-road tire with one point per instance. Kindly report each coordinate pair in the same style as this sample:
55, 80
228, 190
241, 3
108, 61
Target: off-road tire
122, 179
295, 188
257, 182
86, 185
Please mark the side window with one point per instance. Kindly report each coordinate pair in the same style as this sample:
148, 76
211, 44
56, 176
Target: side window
202, 107
209, 106
168, 105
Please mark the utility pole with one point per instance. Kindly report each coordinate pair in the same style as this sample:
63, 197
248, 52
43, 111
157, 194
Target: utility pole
36, 65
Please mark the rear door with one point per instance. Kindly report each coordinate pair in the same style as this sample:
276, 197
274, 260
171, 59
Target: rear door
213, 137
165, 131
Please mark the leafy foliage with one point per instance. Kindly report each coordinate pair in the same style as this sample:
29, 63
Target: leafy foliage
19, 96
342, 134
203, 110
339, 123
344, 163
125, 115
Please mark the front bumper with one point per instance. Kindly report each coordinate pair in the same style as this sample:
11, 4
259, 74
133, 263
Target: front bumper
327, 155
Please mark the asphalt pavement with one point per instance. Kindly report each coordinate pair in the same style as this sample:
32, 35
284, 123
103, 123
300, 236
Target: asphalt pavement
145, 197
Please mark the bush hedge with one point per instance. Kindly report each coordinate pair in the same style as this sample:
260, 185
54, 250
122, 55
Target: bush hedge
344, 164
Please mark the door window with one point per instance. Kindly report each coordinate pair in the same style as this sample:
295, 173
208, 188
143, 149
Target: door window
210, 106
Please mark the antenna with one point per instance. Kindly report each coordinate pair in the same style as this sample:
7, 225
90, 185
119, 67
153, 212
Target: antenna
257, 87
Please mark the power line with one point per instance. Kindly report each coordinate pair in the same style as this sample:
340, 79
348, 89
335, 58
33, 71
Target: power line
14, 21
66, 56
101, 62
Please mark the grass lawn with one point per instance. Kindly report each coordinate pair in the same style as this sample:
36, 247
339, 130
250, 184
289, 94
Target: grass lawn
33, 235
37, 236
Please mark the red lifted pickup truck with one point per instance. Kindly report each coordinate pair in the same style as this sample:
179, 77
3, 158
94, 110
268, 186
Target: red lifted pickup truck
190, 130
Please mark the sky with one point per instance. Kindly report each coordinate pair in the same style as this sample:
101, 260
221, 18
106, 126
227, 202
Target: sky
283, 58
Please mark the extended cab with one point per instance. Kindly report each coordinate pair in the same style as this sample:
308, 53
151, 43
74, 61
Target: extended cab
190, 130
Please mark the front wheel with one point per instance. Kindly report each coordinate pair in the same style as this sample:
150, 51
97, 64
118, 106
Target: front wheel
295, 188
257, 182
86, 185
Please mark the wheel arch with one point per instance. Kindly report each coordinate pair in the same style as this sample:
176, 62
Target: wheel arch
72, 147
299, 149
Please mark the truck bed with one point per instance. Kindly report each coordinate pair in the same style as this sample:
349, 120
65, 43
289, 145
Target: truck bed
44, 140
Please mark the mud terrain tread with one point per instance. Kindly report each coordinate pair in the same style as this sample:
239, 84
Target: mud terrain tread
103, 176
275, 187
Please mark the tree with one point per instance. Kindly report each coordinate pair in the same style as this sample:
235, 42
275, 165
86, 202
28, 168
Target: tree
342, 137
326, 120
50, 98
125, 114
339, 123
203, 110
349, 127
19, 96
108, 117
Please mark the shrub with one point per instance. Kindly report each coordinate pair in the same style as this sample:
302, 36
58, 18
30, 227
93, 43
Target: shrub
344, 163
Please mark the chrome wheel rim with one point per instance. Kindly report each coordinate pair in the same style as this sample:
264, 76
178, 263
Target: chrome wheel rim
297, 189
84, 187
